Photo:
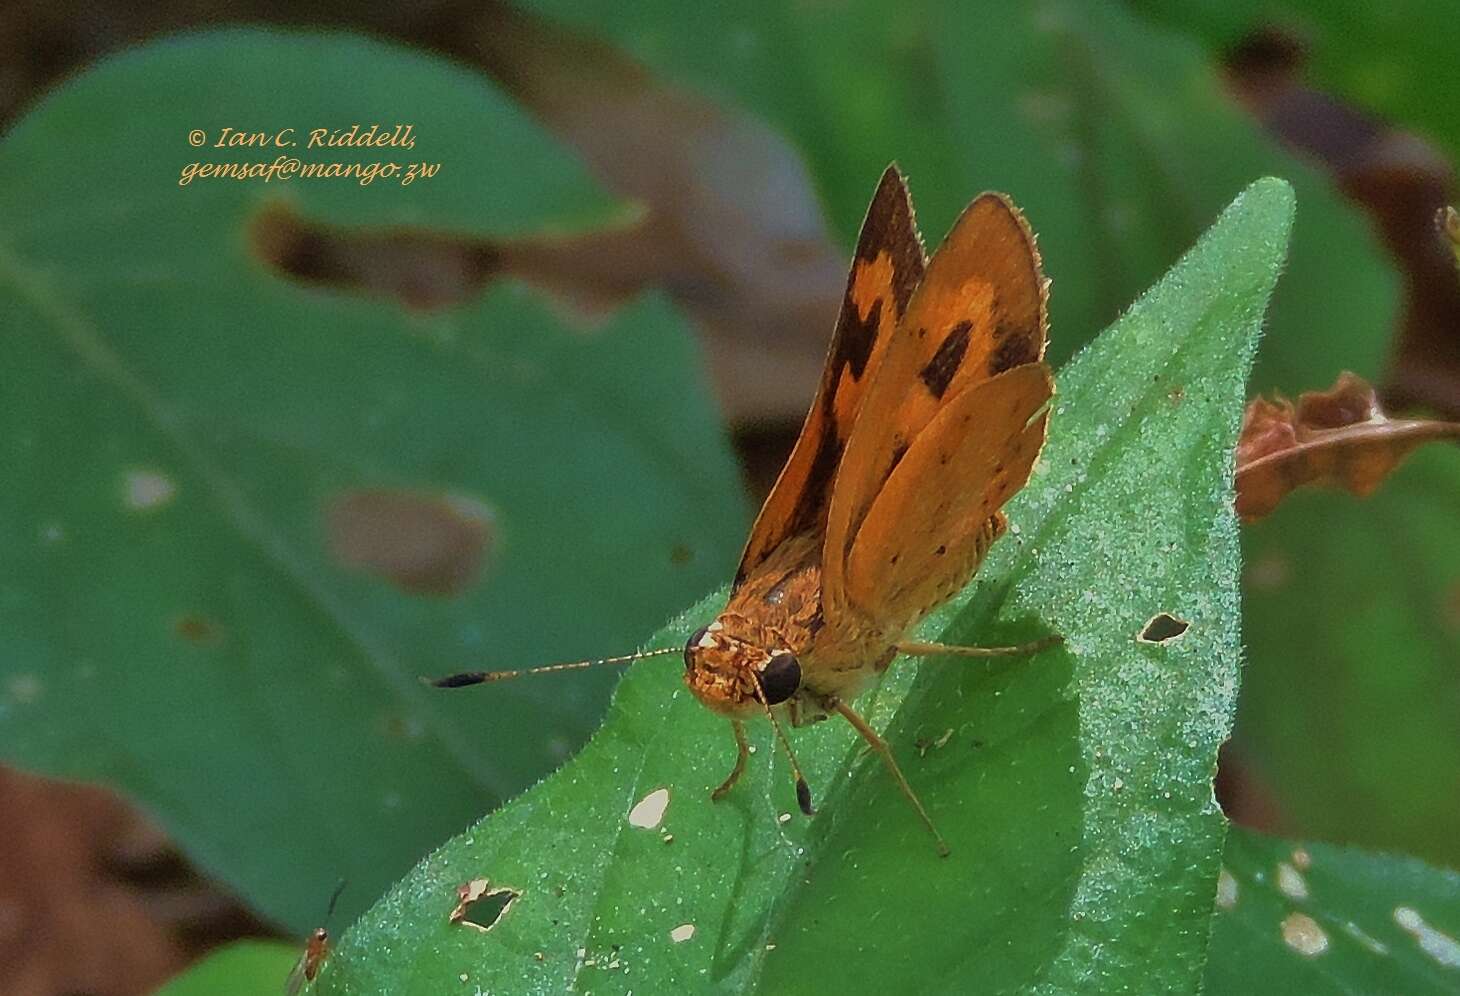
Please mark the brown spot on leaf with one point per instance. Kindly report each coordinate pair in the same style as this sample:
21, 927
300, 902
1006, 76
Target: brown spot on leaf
198, 629
1339, 437
1269, 572
1450, 609
481, 906
400, 727
424, 544
1163, 628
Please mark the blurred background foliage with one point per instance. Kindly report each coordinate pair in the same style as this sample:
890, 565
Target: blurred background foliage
674, 171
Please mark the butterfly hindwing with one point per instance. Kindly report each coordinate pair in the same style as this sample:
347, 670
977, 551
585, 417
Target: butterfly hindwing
937, 513
978, 311
887, 268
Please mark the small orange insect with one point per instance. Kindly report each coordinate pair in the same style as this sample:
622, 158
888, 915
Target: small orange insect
316, 950
932, 410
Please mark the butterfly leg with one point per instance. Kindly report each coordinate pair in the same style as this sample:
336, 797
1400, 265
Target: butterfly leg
875, 741
1022, 650
743, 751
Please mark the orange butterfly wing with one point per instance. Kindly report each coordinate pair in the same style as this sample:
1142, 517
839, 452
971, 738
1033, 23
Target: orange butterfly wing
978, 313
887, 267
934, 519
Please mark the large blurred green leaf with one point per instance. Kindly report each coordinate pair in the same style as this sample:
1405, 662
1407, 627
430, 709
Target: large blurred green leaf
244, 968
1353, 608
1074, 788
1394, 59
1351, 708
1114, 137
1319, 920
1351, 714
178, 420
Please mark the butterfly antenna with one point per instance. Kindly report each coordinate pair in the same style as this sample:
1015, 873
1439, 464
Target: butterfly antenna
334, 898
803, 791
481, 677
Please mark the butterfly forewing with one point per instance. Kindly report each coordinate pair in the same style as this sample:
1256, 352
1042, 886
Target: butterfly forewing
978, 311
888, 266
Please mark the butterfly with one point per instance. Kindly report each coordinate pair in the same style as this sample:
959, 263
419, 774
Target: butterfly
931, 412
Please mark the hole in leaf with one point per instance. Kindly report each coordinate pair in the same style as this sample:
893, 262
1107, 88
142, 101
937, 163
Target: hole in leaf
1163, 628
648, 812
420, 268
480, 906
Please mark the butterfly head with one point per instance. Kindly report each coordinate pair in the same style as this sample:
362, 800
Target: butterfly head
736, 676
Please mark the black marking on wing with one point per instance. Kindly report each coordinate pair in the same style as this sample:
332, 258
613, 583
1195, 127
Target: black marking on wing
939, 371
857, 338
898, 452
1013, 351
810, 507
890, 228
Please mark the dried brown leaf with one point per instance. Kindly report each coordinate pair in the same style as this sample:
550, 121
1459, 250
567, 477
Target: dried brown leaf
1339, 437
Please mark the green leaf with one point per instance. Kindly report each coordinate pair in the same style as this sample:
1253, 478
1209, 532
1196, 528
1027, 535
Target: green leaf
1396, 60
1074, 788
244, 968
1352, 608
1319, 919
183, 426
1113, 135
1352, 611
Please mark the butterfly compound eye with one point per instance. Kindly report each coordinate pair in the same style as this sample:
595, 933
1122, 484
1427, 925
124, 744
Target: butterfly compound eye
689, 647
781, 678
